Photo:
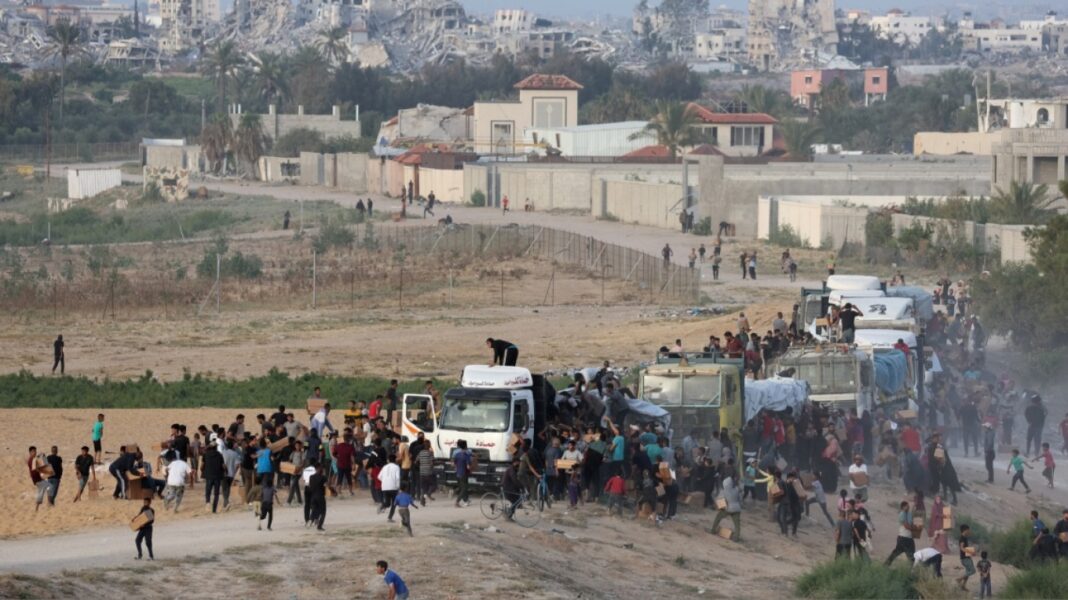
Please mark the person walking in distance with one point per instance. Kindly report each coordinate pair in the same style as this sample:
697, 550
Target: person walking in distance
744, 261
178, 472
989, 449
285, 221
504, 204
59, 356
716, 260
504, 352
905, 543
428, 208
1016, 467
55, 463
397, 589
403, 503
667, 253
462, 461
213, 470
390, 477
370, 208
1035, 415
693, 257
701, 250
144, 532
98, 437
315, 497
35, 465
1046, 457
966, 553
83, 467
753, 265
267, 495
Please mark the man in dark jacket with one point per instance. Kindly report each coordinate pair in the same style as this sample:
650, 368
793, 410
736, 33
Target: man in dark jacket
315, 497
213, 470
1035, 414
504, 352
118, 469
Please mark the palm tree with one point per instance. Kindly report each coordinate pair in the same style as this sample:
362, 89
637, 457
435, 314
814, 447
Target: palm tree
215, 142
333, 45
272, 77
67, 37
760, 99
675, 126
798, 136
249, 141
223, 64
1023, 204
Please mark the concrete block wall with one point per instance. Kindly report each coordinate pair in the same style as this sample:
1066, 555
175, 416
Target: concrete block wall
352, 171
447, 184
1008, 239
309, 168
654, 204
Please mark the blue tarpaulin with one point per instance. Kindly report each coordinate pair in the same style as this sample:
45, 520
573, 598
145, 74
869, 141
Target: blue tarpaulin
891, 369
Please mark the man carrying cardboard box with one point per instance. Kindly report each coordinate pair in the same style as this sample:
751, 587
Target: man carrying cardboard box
35, 465
733, 506
858, 478
142, 524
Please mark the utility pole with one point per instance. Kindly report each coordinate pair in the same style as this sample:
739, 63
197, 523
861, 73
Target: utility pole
218, 286
314, 290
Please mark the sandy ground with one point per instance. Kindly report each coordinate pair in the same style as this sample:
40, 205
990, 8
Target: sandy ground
571, 553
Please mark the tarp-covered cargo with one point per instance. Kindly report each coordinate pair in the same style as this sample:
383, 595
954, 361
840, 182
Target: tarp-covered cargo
774, 394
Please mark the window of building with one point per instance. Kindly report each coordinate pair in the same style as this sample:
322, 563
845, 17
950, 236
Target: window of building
875, 80
747, 136
808, 80
1043, 116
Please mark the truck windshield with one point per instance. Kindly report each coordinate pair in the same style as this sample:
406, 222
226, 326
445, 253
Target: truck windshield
681, 390
828, 376
475, 414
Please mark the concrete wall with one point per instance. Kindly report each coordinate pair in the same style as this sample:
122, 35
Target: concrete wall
86, 183
352, 171
654, 204
813, 222
562, 186
729, 193
172, 157
270, 168
938, 143
1008, 239
447, 184
310, 163
277, 125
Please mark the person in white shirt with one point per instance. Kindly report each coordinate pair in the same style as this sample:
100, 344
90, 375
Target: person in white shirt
929, 557
321, 421
390, 476
858, 471
305, 479
178, 471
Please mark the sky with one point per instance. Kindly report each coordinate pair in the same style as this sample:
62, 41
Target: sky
592, 8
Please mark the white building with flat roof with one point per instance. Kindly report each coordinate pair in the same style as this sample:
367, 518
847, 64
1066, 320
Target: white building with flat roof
902, 28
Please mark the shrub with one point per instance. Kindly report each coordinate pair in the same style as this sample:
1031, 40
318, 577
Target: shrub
296, 141
703, 227
1012, 546
333, 235
857, 579
912, 236
1047, 581
152, 194
478, 198
785, 235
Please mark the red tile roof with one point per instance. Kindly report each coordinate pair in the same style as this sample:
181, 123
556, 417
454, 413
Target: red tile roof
415, 155
539, 81
653, 151
707, 150
716, 118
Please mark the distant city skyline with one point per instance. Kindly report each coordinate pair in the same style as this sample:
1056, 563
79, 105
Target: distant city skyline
595, 8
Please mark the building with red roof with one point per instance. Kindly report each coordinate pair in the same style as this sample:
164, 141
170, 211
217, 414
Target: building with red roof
546, 101
735, 134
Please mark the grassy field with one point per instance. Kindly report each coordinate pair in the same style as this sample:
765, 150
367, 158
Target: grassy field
191, 87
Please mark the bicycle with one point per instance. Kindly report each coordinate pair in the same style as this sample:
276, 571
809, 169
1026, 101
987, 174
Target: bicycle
542, 495
522, 511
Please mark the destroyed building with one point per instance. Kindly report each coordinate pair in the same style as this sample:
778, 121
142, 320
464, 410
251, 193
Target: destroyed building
785, 34
277, 124
183, 23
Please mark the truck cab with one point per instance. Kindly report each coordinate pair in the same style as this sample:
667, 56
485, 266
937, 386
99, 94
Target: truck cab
493, 409
838, 376
701, 391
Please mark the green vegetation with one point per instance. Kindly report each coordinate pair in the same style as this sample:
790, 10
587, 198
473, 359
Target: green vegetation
1023, 203
785, 235
276, 387
1047, 581
957, 208
478, 198
1012, 545
241, 266
853, 579
333, 235
673, 126
1025, 302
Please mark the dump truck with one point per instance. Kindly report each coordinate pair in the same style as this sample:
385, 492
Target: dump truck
701, 391
492, 409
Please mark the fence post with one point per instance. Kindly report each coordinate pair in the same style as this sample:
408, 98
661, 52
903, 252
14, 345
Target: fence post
314, 290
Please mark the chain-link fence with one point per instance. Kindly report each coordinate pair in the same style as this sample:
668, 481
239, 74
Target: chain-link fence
60, 153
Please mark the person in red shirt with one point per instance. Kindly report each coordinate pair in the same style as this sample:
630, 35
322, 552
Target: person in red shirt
344, 452
734, 345
375, 408
1064, 434
39, 482
616, 488
902, 346
910, 438
1047, 463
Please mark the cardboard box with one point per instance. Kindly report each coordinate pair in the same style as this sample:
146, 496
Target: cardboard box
288, 468
800, 489
947, 512
565, 465
940, 454
906, 414
970, 551
947, 523
45, 470
660, 491
687, 498
1063, 536
314, 405
161, 446
278, 445
136, 492
721, 503
132, 448
806, 479
139, 521
859, 479
725, 533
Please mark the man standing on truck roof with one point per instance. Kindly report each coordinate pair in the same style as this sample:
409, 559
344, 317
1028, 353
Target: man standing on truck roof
504, 352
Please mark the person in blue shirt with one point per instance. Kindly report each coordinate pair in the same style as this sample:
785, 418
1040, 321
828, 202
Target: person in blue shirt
263, 461
397, 589
462, 460
403, 502
1036, 524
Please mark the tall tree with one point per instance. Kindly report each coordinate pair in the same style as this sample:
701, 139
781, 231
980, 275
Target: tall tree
222, 65
67, 38
1023, 203
761, 99
249, 141
333, 45
798, 136
215, 141
272, 77
674, 126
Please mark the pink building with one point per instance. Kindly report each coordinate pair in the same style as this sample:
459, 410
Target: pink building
876, 84
805, 85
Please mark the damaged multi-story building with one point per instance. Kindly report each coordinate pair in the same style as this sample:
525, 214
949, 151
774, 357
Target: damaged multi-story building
184, 23
783, 34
